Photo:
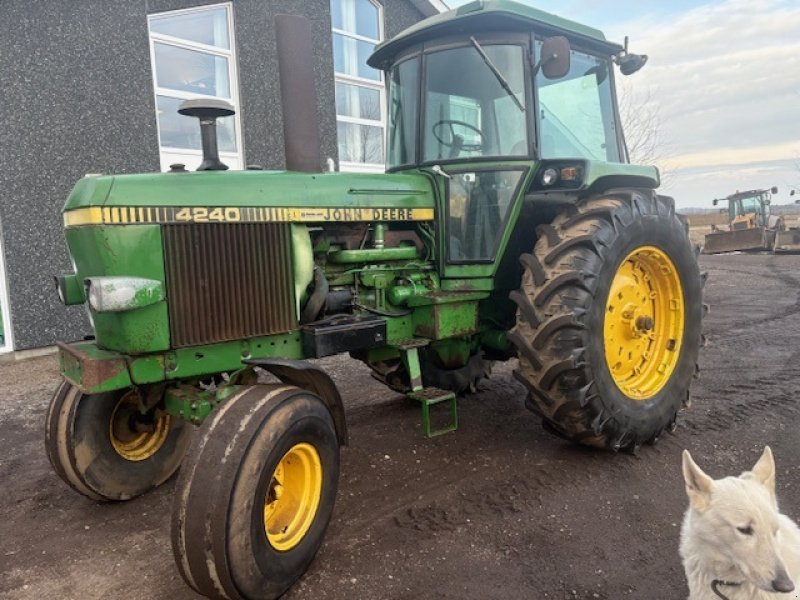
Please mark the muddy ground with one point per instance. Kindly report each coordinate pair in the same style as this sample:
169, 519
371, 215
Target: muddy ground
500, 509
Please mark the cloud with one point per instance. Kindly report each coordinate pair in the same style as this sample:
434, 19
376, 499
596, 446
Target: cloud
727, 76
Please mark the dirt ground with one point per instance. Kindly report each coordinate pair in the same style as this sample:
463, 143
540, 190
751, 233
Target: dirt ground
500, 509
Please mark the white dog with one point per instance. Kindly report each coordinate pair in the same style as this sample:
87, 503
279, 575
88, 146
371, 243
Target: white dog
735, 545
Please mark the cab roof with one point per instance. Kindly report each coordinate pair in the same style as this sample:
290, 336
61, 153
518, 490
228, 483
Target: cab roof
489, 15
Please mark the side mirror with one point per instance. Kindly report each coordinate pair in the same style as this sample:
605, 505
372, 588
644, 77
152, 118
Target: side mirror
774, 189
714, 201
555, 59
629, 63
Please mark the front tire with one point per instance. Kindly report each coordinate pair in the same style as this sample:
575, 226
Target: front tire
256, 494
104, 449
609, 321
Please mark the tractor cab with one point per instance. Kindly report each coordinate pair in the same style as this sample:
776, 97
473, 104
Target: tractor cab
502, 100
749, 209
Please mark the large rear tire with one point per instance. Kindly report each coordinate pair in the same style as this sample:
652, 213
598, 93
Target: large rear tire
256, 494
103, 448
609, 321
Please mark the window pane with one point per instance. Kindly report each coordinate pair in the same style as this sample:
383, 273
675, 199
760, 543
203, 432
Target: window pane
356, 16
206, 27
477, 207
403, 113
360, 143
178, 131
474, 115
350, 57
357, 101
191, 71
510, 121
576, 114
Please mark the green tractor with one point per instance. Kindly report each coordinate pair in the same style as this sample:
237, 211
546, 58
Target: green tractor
509, 225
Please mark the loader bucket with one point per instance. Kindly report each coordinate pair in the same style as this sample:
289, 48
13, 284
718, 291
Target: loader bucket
747, 240
787, 241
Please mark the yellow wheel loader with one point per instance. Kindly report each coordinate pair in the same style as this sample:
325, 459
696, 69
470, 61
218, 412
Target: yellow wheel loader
751, 227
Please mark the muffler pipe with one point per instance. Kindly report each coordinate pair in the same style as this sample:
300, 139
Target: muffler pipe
298, 93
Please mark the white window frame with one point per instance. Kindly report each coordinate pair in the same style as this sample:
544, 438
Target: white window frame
373, 84
193, 157
5, 304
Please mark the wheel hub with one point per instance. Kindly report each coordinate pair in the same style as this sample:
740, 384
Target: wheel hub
643, 323
134, 436
293, 497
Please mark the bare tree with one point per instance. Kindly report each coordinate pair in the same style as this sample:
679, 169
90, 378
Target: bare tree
642, 124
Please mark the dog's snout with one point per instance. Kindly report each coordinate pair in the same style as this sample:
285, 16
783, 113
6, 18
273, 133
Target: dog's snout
782, 583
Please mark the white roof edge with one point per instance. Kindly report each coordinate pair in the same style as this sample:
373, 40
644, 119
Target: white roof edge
430, 7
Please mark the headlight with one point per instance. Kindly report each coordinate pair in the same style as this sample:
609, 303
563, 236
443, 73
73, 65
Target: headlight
550, 176
115, 294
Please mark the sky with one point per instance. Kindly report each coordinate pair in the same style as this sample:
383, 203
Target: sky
724, 78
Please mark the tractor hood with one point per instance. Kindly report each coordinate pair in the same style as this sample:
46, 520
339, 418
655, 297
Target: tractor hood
305, 197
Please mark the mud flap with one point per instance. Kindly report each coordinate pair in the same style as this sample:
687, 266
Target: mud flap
309, 377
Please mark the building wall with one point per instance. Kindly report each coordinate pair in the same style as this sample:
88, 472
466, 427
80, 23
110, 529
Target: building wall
77, 92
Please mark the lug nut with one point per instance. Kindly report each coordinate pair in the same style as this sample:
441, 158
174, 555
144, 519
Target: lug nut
644, 323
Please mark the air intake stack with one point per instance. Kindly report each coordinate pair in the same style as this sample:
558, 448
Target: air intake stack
208, 110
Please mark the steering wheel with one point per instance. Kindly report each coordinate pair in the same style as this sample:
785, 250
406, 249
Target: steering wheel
457, 141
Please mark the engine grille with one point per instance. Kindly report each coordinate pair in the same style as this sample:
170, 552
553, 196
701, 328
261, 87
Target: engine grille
228, 281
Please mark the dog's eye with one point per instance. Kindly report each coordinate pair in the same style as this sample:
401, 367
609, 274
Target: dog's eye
745, 530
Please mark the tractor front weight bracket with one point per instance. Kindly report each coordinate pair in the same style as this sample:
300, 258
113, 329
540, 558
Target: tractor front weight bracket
195, 404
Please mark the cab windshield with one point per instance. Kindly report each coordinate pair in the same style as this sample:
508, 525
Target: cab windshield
745, 206
470, 109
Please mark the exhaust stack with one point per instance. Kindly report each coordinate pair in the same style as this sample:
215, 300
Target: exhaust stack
208, 110
298, 93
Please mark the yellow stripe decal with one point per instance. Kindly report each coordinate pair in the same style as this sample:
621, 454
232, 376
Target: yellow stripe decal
123, 215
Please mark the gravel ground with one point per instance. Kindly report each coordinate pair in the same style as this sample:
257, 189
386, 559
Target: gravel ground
500, 509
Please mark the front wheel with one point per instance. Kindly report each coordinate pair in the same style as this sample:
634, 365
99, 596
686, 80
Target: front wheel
105, 449
255, 496
609, 320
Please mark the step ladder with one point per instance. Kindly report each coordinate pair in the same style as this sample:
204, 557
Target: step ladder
430, 396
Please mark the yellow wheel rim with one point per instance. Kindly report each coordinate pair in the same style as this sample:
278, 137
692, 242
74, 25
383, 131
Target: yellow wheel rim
130, 442
643, 324
293, 497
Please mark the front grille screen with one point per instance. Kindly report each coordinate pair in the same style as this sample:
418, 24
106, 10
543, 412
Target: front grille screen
228, 281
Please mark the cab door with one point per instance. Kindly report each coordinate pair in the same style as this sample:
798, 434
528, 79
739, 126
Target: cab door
479, 205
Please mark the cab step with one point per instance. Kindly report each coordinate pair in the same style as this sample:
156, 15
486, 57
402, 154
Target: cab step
429, 397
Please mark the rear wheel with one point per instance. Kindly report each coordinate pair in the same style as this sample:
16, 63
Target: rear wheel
256, 494
105, 449
609, 322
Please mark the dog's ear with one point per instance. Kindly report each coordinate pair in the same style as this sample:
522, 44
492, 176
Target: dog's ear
764, 471
698, 484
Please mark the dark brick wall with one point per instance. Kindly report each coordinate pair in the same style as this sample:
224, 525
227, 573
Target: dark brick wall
76, 91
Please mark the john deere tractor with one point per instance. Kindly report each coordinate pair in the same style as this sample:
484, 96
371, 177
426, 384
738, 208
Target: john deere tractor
509, 225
